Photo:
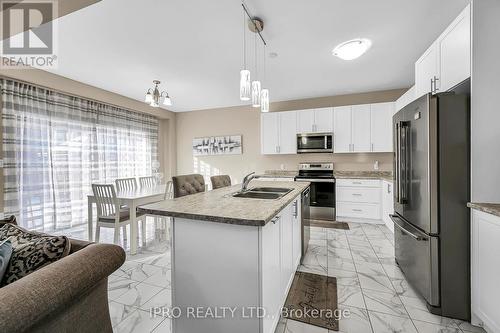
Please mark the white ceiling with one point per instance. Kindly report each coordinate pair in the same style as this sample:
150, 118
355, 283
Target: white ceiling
195, 46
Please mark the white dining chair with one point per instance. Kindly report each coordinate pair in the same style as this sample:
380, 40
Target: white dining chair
148, 181
126, 184
110, 214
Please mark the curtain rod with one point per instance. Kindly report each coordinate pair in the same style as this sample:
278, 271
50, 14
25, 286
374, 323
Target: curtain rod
3, 76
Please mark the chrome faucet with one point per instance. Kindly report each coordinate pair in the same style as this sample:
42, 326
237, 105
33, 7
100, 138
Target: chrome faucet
247, 180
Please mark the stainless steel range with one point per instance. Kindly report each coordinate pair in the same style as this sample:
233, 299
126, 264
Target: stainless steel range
322, 201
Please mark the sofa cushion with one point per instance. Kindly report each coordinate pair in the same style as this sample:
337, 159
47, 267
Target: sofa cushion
31, 251
5, 254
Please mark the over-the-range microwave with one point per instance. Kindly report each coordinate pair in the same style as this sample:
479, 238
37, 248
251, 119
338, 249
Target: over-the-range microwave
314, 143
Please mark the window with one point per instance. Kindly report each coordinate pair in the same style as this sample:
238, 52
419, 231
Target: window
55, 146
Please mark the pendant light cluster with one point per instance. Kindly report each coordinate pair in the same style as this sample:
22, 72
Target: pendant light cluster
153, 96
253, 90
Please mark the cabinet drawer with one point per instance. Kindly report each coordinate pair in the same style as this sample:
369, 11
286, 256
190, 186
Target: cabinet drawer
358, 210
353, 194
358, 182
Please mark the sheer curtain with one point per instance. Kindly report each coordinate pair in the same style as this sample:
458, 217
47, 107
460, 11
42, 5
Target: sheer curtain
55, 146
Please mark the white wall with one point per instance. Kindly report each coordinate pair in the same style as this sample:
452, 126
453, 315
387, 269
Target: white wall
485, 102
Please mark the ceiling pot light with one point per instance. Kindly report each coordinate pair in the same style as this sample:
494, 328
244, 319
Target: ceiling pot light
352, 49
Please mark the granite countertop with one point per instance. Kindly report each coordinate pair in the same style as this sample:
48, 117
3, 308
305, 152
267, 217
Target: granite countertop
384, 175
220, 206
490, 208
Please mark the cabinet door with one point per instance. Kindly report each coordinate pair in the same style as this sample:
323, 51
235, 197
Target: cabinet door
455, 52
305, 121
287, 133
381, 127
323, 120
426, 68
342, 124
485, 269
387, 204
271, 273
269, 133
286, 224
361, 141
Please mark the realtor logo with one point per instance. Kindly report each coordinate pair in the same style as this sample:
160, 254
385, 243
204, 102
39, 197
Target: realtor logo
28, 29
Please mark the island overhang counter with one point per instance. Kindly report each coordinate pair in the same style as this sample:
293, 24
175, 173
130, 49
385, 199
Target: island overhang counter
233, 259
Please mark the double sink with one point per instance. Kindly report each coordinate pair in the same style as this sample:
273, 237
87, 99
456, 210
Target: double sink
264, 193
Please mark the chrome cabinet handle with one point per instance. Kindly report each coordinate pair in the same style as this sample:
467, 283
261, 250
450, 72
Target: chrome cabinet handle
357, 194
435, 84
372, 147
357, 183
357, 210
275, 219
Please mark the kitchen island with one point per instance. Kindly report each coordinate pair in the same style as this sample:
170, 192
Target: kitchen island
233, 259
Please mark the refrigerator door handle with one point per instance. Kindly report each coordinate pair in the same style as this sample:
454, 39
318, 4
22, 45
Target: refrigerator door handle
404, 156
395, 218
397, 164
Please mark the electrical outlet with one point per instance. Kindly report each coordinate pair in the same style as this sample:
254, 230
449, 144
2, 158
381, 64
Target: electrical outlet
1, 162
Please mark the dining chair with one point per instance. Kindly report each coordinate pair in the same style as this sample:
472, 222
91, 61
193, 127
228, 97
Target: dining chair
126, 184
148, 181
188, 184
220, 181
110, 214
169, 190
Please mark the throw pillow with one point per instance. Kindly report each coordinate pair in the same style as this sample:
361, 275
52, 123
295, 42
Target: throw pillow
5, 254
31, 251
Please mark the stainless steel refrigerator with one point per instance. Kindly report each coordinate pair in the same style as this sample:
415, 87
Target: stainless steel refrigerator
431, 190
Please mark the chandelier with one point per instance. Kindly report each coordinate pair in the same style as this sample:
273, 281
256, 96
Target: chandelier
153, 96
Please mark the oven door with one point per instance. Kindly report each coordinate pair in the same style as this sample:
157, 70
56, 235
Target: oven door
314, 143
322, 198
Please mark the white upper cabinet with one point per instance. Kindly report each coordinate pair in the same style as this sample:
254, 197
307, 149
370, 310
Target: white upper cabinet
323, 120
315, 120
342, 135
278, 133
305, 121
455, 51
426, 71
287, 135
448, 61
381, 127
361, 124
269, 123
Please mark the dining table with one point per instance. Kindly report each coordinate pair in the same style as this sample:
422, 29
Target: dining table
132, 199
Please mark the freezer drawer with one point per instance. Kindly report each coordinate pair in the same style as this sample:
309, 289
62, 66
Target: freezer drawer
418, 257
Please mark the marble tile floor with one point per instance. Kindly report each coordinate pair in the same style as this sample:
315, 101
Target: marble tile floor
370, 285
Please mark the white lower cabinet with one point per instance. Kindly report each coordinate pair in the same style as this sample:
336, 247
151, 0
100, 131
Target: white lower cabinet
387, 203
280, 255
358, 199
485, 270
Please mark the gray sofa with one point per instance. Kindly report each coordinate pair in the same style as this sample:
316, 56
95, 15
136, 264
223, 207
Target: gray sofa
69, 295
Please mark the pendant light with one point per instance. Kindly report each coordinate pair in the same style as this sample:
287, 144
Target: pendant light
256, 83
153, 96
245, 91
264, 93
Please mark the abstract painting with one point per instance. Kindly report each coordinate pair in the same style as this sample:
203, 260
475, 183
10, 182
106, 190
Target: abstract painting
217, 145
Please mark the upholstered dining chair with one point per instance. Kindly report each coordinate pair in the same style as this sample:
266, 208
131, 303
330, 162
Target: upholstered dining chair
148, 181
110, 214
220, 181
126, 184
188, 184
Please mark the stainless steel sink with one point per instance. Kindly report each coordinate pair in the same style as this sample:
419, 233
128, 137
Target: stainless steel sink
271, 189
258, 195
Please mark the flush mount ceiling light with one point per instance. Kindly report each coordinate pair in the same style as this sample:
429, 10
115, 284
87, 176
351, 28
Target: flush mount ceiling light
352, 49
153, 96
